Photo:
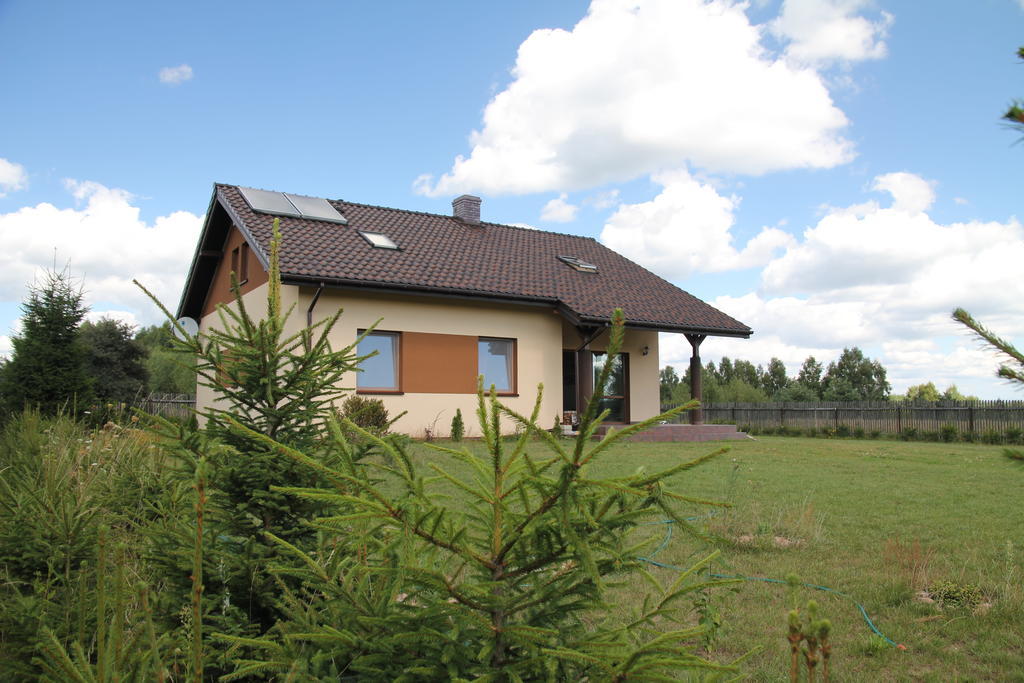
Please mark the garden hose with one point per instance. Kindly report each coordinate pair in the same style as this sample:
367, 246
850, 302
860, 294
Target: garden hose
668, 537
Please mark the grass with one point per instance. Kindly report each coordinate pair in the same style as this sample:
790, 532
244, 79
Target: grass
880, 521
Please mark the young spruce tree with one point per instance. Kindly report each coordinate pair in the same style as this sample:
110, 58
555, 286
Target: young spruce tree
507, 579
280, 385
47, 366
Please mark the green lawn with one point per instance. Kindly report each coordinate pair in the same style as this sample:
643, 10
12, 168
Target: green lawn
879, 521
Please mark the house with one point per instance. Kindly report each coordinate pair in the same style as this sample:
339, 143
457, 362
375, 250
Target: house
458, 296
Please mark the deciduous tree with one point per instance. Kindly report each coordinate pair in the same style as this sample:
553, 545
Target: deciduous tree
113, 360
810, 375
855, 377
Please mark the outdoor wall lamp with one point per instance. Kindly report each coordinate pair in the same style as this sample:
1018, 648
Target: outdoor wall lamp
646, 350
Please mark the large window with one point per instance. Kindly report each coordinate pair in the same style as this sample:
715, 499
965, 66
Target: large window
614, 399
380, 372
496, 361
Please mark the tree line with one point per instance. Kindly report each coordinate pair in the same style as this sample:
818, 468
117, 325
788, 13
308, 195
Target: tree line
61, 361
851, 377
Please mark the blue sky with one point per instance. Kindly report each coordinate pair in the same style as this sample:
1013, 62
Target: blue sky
831, 172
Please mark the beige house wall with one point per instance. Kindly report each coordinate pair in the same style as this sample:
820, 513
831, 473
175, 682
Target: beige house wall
537, 331
540, 333
255, 301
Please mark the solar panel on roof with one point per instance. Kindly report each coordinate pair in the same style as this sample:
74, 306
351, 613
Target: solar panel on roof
315, 207
269, 202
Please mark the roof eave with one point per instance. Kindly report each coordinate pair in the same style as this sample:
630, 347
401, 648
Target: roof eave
187, 304
676, 328
421, 290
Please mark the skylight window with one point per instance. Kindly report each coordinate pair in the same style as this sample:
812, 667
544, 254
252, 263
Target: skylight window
378, 240
578, 264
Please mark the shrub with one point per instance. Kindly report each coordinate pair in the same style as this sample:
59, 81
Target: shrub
954, 594
843, 430
367, 413
874, 434
556, 428
909, 434
970, 437
458, 428
991, 436
1013, 435
948, 433
858, 433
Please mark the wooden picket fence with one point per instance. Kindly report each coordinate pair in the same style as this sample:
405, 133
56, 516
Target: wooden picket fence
886, 417
175, 406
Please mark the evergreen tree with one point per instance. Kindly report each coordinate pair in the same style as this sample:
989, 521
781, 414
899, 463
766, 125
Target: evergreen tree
114, 360
458, 428
854, 377
274, 384
1012, 368
1015, 113
508, 583
47, 365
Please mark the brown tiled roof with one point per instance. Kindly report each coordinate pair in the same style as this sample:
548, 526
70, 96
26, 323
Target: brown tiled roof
445, 255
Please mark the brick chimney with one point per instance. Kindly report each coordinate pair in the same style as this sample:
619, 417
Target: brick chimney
466, 208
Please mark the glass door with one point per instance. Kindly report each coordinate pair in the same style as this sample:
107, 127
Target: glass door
616, 392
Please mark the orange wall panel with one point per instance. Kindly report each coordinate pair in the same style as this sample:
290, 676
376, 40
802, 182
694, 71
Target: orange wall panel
220, 288
438, 363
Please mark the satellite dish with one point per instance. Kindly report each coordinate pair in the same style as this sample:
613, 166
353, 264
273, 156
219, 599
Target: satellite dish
190, 326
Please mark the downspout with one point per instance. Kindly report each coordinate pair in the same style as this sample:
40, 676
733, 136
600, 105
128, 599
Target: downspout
309, 317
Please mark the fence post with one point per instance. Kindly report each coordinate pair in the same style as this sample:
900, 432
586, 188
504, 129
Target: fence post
899, 419
970, 418
835, 421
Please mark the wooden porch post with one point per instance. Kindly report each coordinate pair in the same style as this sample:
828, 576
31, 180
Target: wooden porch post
696, 388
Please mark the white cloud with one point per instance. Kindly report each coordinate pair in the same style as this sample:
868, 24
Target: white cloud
176, 75
900, 256
12, 177
603, 200
558, 210
104, 241
5, 346
960, 200
686, 229
886, 279
910, 193
641, 85
824, 31
129, 318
